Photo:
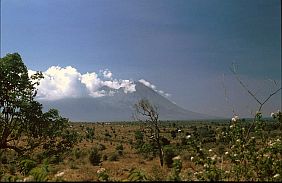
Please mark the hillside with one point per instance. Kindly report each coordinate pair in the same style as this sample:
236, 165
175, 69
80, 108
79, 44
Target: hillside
119, 107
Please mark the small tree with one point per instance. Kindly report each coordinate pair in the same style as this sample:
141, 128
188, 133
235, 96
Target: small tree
147, 113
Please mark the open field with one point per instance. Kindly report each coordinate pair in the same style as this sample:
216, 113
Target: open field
119, 155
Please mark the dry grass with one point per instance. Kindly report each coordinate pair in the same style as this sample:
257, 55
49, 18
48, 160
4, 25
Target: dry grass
82, 170
77, 167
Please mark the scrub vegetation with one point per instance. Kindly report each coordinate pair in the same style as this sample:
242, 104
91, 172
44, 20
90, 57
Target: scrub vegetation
43, 146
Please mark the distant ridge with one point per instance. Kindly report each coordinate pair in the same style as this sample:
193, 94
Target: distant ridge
119, 107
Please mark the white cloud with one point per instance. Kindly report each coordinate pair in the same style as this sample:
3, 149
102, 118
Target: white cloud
60, 83
161, 92
107, 74
92, 83
128, 86
66, 82
31, 72
167, 94
112, 84
148, 84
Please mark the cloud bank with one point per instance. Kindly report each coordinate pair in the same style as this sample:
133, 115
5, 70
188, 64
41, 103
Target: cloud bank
67, 82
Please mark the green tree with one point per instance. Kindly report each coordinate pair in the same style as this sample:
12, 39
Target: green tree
23, 124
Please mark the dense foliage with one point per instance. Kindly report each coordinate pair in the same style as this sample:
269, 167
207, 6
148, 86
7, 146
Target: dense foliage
23, 125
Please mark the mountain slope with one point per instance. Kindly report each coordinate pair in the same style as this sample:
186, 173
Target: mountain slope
119, 107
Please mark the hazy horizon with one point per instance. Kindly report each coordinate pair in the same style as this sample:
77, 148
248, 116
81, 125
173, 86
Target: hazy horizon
182, 49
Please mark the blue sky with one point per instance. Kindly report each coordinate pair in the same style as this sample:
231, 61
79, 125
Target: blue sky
184, 47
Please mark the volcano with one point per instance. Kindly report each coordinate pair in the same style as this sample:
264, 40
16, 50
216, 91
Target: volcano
119, 106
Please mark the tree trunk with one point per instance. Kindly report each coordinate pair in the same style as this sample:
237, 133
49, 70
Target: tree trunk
160, 153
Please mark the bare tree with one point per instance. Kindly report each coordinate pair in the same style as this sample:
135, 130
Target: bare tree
260, 102
148, 114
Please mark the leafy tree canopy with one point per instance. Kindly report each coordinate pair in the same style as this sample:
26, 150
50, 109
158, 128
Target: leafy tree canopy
23, 124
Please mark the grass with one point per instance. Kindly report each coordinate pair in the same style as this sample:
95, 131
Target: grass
77, 167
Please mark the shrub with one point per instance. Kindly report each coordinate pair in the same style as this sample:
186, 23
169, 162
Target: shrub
10, 178
102, 174
139, 135
173, 133
147, 150
113, 157
90, 134
105, 157
168, 155
4, 159
137, 175
120, 152
77, 153
157, 173
183, 141
12, 168
177, 166
40, 173
119, 147
94, 157
56, 159
107, 134
73, 165
26, 166
165, 141
101, 147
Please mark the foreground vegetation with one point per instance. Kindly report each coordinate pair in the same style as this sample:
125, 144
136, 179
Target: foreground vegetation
38, 146
192, 151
